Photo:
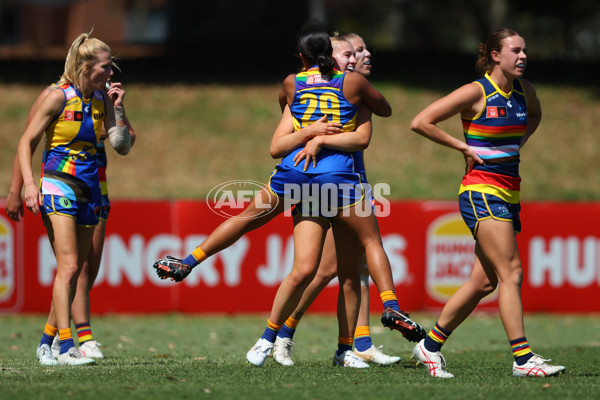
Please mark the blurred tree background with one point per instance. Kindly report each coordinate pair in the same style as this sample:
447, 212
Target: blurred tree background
162, 41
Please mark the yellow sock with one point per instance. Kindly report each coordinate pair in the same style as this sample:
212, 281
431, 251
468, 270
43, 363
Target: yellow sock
50, 330
388, 295
199, 254
64, 334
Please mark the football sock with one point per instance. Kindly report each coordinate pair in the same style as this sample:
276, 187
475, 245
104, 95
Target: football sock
389, 299
289, 328
66, 340
195, 257
48, 335
84, 332
436, 338
521, 350
344, 344
362, 338
271, 331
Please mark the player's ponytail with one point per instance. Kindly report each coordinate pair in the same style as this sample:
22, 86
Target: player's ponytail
315, 46
82, 54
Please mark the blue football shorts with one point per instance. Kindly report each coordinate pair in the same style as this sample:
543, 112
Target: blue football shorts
317, 195
84, 213
477, 206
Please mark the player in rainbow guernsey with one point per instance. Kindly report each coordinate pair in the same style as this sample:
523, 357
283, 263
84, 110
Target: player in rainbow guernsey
499, 113
71, 117
69, 168
495, 134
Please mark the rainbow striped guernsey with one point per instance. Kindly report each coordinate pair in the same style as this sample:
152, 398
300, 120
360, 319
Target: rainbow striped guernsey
69, 166
495, 135
316, 95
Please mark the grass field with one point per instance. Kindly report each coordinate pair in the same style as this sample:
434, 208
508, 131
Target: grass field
183, 357
192, 138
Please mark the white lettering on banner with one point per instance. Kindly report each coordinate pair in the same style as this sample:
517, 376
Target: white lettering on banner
573, 260
394, 246
279, 261
47, 262
122, 260
132, 261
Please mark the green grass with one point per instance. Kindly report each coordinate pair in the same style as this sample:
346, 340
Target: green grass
183, 356
194, 137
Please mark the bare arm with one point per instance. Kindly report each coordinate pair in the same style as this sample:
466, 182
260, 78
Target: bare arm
285, 139
465, 100
14, 201
534, 111
48, 109
358, 90
347, 142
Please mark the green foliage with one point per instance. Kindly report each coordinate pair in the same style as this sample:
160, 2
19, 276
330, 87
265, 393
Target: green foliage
189, 356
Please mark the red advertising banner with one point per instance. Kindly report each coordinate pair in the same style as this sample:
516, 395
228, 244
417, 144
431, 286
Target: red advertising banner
429, 247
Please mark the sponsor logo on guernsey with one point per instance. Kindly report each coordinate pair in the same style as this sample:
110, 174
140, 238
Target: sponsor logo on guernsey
496, 112
521, 115
313, 79
450, 249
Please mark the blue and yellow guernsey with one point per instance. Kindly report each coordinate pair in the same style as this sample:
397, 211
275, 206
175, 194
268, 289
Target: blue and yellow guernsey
495, 135
69, 166
317, 95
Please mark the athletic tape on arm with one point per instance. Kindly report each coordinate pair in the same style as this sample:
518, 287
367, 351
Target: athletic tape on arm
119, 135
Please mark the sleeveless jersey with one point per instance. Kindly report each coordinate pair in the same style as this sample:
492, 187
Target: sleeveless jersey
316, 95
69, 163
495, 135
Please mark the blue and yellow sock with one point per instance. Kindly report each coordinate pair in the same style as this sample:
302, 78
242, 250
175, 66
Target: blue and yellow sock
270, 332
521, 350
289, 328
48, 335
362, 338
389, 299
344, 344
436, 338
195, 257
66, 340
84, 332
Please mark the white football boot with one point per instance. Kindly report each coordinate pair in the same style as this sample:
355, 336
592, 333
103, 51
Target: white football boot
375, 355
259, 352
74, 357
536, 367
348, 359
282, 351
90, 349
44, 355
434, 362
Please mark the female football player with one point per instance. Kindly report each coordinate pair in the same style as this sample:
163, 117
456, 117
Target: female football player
71, 117
499, 113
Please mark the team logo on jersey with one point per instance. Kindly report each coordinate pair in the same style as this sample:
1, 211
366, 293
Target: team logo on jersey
73, 116
496, 112
312, 79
